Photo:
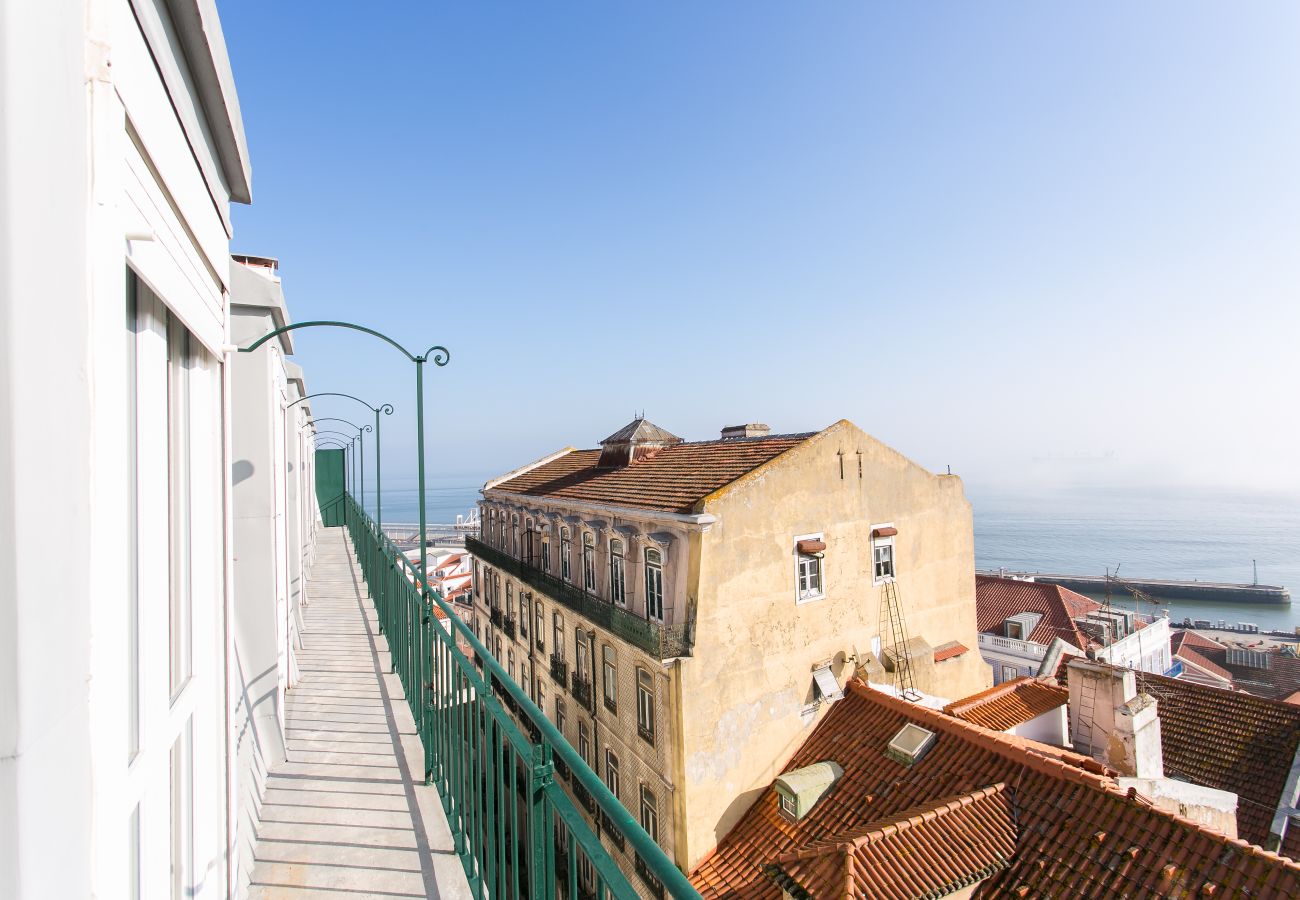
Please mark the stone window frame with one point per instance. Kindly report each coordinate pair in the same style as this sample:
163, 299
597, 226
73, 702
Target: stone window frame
645, 705
654, 588
617, 573
609, 677
589, 562
566, 555
803, 570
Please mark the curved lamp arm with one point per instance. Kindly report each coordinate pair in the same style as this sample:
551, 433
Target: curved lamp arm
386, 409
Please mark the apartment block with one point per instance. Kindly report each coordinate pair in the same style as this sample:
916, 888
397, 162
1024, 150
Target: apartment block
688, 611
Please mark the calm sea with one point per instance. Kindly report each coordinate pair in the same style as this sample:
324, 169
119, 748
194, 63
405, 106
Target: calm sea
1204, 534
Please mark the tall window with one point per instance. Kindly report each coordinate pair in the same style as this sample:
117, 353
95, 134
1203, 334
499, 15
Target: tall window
582, 663
557, 625
649, 813
514, 536
589, 563
510, 599
611, 772
496, 591
645, 705
133, 525
180, 362
524, 615
546, 552
584, 742
510, 667
541, 625
609, 678
559, 715
528, 542
539, 696
617, 588
654, 585
566, 555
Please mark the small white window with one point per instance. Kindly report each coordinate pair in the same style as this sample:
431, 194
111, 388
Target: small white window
788, 805
809, 577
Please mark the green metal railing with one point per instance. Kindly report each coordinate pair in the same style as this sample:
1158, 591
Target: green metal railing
517, 832
664, 641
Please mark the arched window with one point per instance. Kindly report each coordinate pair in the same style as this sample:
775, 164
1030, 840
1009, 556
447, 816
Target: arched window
617, 587
654, 585
566, 555
589, 563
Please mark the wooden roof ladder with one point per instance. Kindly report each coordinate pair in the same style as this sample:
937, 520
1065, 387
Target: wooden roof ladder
891, 619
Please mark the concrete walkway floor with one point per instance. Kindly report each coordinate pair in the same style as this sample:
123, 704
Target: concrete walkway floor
348, 812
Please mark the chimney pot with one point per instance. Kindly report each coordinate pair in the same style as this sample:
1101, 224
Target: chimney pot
752, 429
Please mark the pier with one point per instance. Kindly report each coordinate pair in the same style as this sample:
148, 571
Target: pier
1161, 588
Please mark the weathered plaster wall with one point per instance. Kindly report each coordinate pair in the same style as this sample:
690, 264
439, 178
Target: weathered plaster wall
750, 678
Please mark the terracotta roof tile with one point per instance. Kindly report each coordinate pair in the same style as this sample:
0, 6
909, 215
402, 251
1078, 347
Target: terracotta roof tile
997, 599
1010, 704
1078, 834
949, 650
954, 842
1227, 740
672, 480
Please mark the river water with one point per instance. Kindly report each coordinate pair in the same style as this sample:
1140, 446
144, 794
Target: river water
1199, 534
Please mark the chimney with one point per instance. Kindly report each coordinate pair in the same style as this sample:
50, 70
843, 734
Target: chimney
753, 429
1112, 722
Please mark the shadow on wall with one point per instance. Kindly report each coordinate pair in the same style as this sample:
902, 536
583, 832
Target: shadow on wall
242, 470
734, 811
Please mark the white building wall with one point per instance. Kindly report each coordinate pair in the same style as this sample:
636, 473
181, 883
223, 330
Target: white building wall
110, 773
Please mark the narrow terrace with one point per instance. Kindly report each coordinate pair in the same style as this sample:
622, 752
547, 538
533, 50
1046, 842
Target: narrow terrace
343, 815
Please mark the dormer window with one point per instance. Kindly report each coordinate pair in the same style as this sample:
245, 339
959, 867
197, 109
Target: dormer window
798, 791
1015, 630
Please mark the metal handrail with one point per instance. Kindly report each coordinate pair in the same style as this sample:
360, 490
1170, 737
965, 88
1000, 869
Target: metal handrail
482, 760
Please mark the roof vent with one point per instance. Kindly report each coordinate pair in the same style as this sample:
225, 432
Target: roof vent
910, 745
798, 791
753, 429
638, 440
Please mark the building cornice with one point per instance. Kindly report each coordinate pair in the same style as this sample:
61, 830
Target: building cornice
703, 521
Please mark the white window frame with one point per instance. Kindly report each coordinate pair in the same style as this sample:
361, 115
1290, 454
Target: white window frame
878, 542
566, 555
800, 594
589, 562
645, 702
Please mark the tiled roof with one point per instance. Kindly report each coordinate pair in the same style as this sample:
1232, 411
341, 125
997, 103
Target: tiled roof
672, 480
997, 599
1280, 680
949, 650
1009, 704
962, 840
1077, 834
1227, 740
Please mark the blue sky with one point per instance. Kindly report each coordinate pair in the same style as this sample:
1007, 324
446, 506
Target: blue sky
1010, 238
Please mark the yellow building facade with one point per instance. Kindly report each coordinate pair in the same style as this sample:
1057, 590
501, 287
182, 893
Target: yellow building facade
689, 610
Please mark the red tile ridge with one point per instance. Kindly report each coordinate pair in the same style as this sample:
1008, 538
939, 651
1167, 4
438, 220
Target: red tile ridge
957, 707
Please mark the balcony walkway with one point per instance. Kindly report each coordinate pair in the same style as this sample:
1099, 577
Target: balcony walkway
344, 816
